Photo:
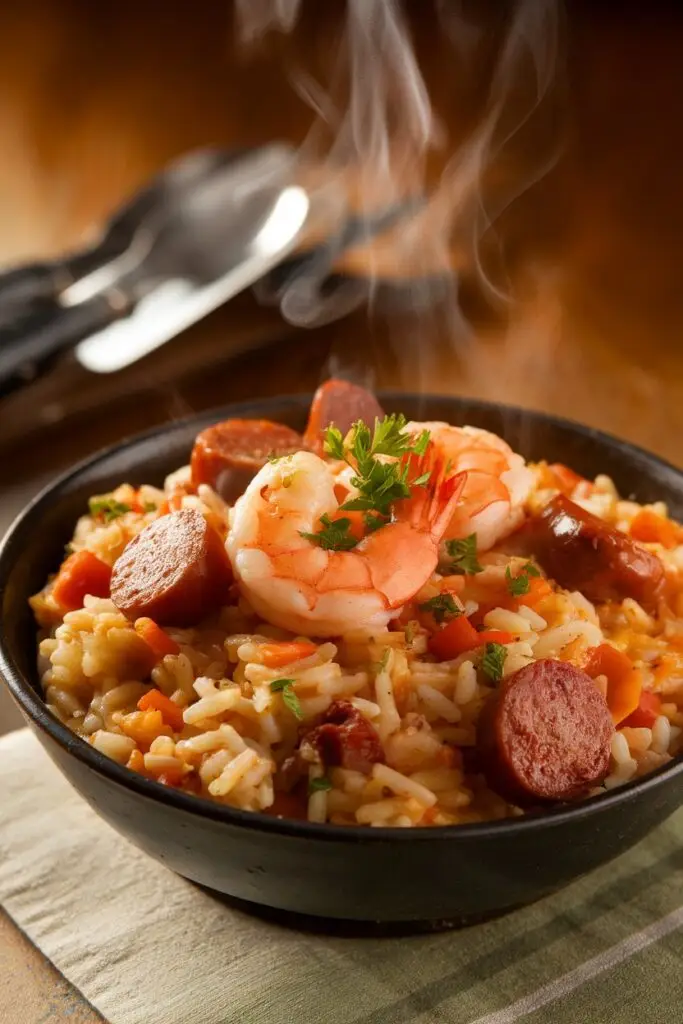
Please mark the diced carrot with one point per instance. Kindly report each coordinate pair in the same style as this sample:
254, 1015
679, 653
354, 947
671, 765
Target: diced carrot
155, 637
648, 711
538, 589
566, 479
164, 507
158, 701
279, 653
459, 635
650, 528
82, 573
624, 682
495, 636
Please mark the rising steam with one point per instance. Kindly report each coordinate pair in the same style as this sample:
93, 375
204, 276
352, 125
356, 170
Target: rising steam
375, 127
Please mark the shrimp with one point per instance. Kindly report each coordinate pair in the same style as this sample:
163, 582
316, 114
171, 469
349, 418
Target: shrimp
298, 585
497, 485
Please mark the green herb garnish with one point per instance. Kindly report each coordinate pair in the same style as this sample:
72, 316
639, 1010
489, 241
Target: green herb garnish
442, 607
107, 508
384, 660
334, 536
520, 584
289, 698
493, 661
319, 785
379, 483
464, 556
409, 632
149, 506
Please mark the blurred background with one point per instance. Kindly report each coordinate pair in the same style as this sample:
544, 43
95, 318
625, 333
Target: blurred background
572, 303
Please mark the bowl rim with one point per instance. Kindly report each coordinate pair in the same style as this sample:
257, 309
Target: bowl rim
36, 710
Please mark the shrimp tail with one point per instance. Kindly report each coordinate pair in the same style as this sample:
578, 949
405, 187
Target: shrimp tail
431, 505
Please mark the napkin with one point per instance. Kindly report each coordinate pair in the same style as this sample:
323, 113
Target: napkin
147, 947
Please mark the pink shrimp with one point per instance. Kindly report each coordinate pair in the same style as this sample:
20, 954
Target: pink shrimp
298, 585
497, 485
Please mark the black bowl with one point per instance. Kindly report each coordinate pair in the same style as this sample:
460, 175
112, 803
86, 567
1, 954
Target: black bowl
391, 875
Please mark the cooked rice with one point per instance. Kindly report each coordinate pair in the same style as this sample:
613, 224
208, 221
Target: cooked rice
238, 735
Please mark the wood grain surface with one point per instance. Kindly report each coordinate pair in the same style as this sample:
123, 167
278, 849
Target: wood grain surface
94, 98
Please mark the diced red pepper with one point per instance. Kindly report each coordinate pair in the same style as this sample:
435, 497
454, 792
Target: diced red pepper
648, 711
459, 635
649, 528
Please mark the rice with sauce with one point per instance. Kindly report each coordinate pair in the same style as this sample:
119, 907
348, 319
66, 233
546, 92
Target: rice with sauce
236, 735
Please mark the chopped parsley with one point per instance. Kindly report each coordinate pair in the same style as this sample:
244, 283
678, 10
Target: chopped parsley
442, 607
149, 506
464, 556
493, 661
107, 509
289, 698
319, 785
384, 660
379, 483
409, 631
520, 584
334, 536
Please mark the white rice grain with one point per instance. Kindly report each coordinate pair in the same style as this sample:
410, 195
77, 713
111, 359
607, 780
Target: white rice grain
437, 703
661, 735
402, 785
117, 747
536, 621
466, 683
620, 752
389, 719
511, 622
232, 773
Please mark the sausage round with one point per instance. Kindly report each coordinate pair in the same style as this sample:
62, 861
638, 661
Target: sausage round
175, 571
228, 455
581, 552
546, 735
341, 403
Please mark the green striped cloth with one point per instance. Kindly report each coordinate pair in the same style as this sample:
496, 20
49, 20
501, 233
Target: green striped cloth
144, 946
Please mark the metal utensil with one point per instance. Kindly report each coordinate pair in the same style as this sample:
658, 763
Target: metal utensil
217, 224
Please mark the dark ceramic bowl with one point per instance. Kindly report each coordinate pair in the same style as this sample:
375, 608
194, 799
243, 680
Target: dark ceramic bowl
391, 875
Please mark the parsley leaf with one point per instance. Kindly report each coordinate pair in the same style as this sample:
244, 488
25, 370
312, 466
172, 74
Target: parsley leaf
442, 607
379, 483
464, 555
289, 698
384, 660
319, 784
373, 522
334, 443
107, 508
493, 661
334, 536
410, 630
520, 584
149, 506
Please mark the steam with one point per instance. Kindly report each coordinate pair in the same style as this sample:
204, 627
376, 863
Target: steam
376, 130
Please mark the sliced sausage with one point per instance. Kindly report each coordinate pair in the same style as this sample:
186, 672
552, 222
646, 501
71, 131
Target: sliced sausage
340, 403
581, 552
228, 455
345, 738
546, 734
175, 571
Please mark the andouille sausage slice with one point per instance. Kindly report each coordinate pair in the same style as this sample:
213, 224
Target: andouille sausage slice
341, 403
175, 571
581, 552
546, 735
228, 455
